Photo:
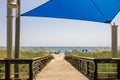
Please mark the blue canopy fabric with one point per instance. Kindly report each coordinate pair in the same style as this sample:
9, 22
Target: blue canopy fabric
90, 10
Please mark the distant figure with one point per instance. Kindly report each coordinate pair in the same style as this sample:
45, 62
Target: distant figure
66, 52
57, 52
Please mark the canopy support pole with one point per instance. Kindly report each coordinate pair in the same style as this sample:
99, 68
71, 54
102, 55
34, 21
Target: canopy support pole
9, 31
17, 38
114, 41
17, 32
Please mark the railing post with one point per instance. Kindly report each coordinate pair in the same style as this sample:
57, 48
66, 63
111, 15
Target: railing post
7, 70
79, 64
95, 70
87, 68
30, 70
118, 70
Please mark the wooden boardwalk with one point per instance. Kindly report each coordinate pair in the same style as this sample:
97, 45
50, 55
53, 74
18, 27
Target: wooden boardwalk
59, 69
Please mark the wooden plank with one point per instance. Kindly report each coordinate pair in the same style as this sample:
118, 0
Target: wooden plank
59, 69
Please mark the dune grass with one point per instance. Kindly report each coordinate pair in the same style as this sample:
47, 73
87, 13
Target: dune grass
24, 68
3, 53
24, 54
28, 54
101, 54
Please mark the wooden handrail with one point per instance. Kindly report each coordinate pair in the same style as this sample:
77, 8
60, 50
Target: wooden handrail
92, 66
35, 65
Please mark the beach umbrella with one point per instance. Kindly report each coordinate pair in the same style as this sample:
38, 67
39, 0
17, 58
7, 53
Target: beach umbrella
85, 50
74, 51
90, 10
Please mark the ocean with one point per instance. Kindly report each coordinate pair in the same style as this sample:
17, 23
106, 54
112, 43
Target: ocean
64, 49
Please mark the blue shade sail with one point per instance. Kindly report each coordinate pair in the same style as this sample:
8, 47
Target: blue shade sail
89, 10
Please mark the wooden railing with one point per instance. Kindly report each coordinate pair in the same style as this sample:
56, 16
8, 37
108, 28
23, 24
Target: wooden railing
97, 69
28, 68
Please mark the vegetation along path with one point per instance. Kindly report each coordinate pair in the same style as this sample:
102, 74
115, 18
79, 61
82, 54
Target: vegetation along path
59, 69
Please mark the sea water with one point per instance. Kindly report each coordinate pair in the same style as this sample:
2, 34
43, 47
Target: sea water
64, 49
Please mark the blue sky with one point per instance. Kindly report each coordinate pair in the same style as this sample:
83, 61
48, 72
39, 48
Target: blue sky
36, 31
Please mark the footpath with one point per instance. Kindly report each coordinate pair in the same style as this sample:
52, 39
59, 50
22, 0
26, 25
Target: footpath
59, 69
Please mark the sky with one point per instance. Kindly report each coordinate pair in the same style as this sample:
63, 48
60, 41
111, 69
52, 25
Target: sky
39, 31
